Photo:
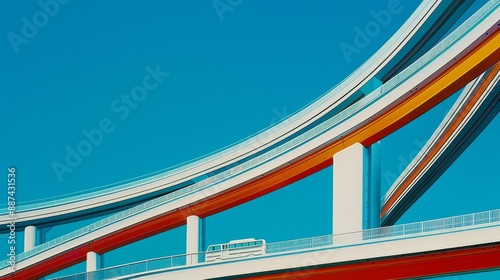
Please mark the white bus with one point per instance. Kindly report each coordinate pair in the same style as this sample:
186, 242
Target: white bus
236, 249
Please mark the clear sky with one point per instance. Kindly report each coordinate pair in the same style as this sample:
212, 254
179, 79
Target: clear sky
224, 72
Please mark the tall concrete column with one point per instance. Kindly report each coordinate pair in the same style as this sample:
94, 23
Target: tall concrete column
30, 238
373, 190
93, 261
194, 237
348, 181
356, 193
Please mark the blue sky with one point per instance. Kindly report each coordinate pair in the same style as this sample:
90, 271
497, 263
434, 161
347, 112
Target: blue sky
230, 74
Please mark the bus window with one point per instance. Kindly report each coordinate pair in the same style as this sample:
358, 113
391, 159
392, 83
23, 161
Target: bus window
235, 249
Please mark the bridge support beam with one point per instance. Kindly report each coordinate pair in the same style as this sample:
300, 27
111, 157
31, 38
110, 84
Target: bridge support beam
30, 238
93, 261
194, 238
356, 188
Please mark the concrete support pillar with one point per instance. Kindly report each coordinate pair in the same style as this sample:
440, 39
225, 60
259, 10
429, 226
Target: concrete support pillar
93, 261
348, 180
30, 238
356, 193
42, 234
194, 238
373, 190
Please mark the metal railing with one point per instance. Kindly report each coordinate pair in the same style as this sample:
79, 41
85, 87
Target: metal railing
321, 128
251, 140
397, 232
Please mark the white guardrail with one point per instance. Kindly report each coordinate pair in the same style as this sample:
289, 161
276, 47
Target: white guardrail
396, 232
